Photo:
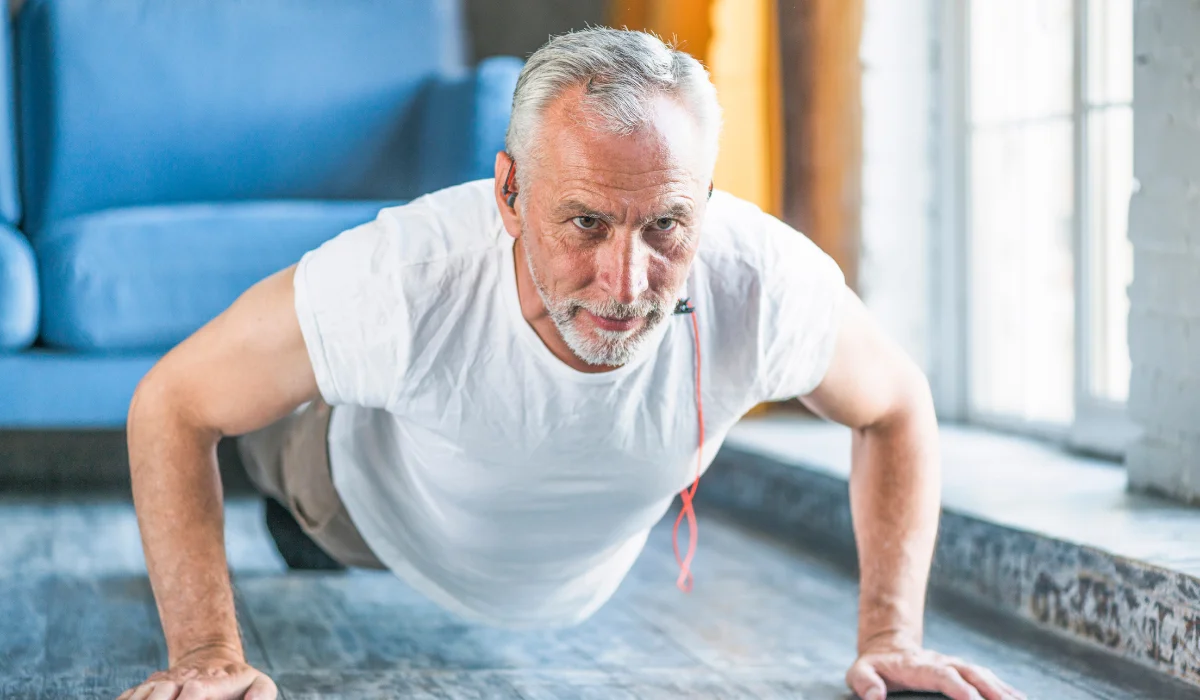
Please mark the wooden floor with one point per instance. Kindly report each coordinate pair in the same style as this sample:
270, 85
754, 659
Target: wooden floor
77, 620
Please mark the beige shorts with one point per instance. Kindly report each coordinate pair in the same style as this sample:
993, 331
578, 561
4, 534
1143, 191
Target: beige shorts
289, 461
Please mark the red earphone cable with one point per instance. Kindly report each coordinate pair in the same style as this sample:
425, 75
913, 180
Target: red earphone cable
688, 511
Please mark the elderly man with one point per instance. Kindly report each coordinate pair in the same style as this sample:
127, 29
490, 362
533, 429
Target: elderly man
517, 368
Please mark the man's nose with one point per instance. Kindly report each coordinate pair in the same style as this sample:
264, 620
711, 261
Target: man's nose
626, 268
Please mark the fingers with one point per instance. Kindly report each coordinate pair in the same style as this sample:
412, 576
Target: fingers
262, 688
873, 674
166, 690
198, 690
951, 684
866, 682
988, 684
930, 675
143, 691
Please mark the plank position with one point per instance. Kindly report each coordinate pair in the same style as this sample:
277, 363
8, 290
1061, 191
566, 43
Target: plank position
492, 391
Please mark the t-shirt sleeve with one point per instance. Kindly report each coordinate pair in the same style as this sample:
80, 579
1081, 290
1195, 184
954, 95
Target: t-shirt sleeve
802, 293
354, 317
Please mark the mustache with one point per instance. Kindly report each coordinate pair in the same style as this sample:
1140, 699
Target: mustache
611, 308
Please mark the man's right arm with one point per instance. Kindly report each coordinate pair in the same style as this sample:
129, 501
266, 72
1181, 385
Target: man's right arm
242, 371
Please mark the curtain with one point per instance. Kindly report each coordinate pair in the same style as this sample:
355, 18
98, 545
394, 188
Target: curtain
737, 40
822, 116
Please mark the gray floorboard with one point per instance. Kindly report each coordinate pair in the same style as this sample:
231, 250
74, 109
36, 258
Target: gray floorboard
77, 620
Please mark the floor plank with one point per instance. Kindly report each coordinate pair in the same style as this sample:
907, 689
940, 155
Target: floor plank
23, 622
765, 620
95, 624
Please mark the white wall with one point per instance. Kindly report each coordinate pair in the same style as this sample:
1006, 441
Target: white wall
898, 54
1164, 226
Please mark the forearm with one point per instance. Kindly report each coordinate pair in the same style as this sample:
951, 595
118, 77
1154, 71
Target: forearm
895, 492
177, 495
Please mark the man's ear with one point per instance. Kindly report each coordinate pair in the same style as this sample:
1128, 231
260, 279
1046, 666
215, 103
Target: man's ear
506, 194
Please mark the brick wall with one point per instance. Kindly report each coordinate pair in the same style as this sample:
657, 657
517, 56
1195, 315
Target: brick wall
1164, 226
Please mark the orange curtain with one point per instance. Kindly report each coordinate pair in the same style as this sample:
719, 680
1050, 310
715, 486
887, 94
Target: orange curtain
822, 115
738, 41
686, 22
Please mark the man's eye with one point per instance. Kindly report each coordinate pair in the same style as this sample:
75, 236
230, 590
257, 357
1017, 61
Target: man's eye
665, 224
587, 223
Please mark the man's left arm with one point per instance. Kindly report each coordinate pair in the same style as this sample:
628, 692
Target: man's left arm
873, 387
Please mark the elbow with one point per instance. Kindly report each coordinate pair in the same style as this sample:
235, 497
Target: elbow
914, 397
910, 404
148, 399
146, 419
162, 430
159, 407
918, 395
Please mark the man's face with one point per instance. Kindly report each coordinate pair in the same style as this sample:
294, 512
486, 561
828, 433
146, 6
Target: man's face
610, 225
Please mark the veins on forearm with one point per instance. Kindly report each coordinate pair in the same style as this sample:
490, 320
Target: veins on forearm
893, 487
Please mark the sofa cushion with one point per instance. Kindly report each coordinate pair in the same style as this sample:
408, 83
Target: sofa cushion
145, 278
145, 102
59, 389
18, 291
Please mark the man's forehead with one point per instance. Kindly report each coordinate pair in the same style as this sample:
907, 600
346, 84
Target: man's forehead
668, 149
626, 186
595, 204
635, 188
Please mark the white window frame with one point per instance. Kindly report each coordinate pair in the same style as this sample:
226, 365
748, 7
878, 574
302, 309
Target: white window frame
1100, 427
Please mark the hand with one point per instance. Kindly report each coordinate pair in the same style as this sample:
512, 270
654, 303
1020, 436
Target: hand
209, 673
898, 668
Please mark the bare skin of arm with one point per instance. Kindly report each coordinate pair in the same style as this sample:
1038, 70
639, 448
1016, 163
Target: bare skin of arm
242, 371
873, 387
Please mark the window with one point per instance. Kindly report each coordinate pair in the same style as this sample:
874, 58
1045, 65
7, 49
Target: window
1108, 161
1046, 142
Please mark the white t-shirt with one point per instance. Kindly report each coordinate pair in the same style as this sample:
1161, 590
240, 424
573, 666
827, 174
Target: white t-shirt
481, 469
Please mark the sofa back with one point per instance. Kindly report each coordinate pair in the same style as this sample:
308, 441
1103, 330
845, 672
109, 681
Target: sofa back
10, 201
129, 102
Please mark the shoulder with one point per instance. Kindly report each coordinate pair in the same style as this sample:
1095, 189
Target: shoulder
774, 296
436, 228
369, 299
739, 240
407, 252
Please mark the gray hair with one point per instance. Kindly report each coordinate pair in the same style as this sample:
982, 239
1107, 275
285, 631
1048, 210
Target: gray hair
622, 70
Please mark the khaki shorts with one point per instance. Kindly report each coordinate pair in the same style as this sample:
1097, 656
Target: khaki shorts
289, 461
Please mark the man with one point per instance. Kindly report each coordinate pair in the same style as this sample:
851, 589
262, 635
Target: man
515, 400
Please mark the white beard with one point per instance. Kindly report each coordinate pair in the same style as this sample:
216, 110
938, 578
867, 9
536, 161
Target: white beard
606, 348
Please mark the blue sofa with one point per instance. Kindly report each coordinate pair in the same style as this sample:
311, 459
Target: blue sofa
173, 152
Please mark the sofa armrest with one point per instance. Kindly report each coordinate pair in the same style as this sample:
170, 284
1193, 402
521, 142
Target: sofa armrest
18, 291
462, 122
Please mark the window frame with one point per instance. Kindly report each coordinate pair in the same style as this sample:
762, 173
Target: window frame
1100, 427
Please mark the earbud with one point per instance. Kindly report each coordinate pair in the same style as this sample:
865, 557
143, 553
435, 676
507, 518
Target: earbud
506, 189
